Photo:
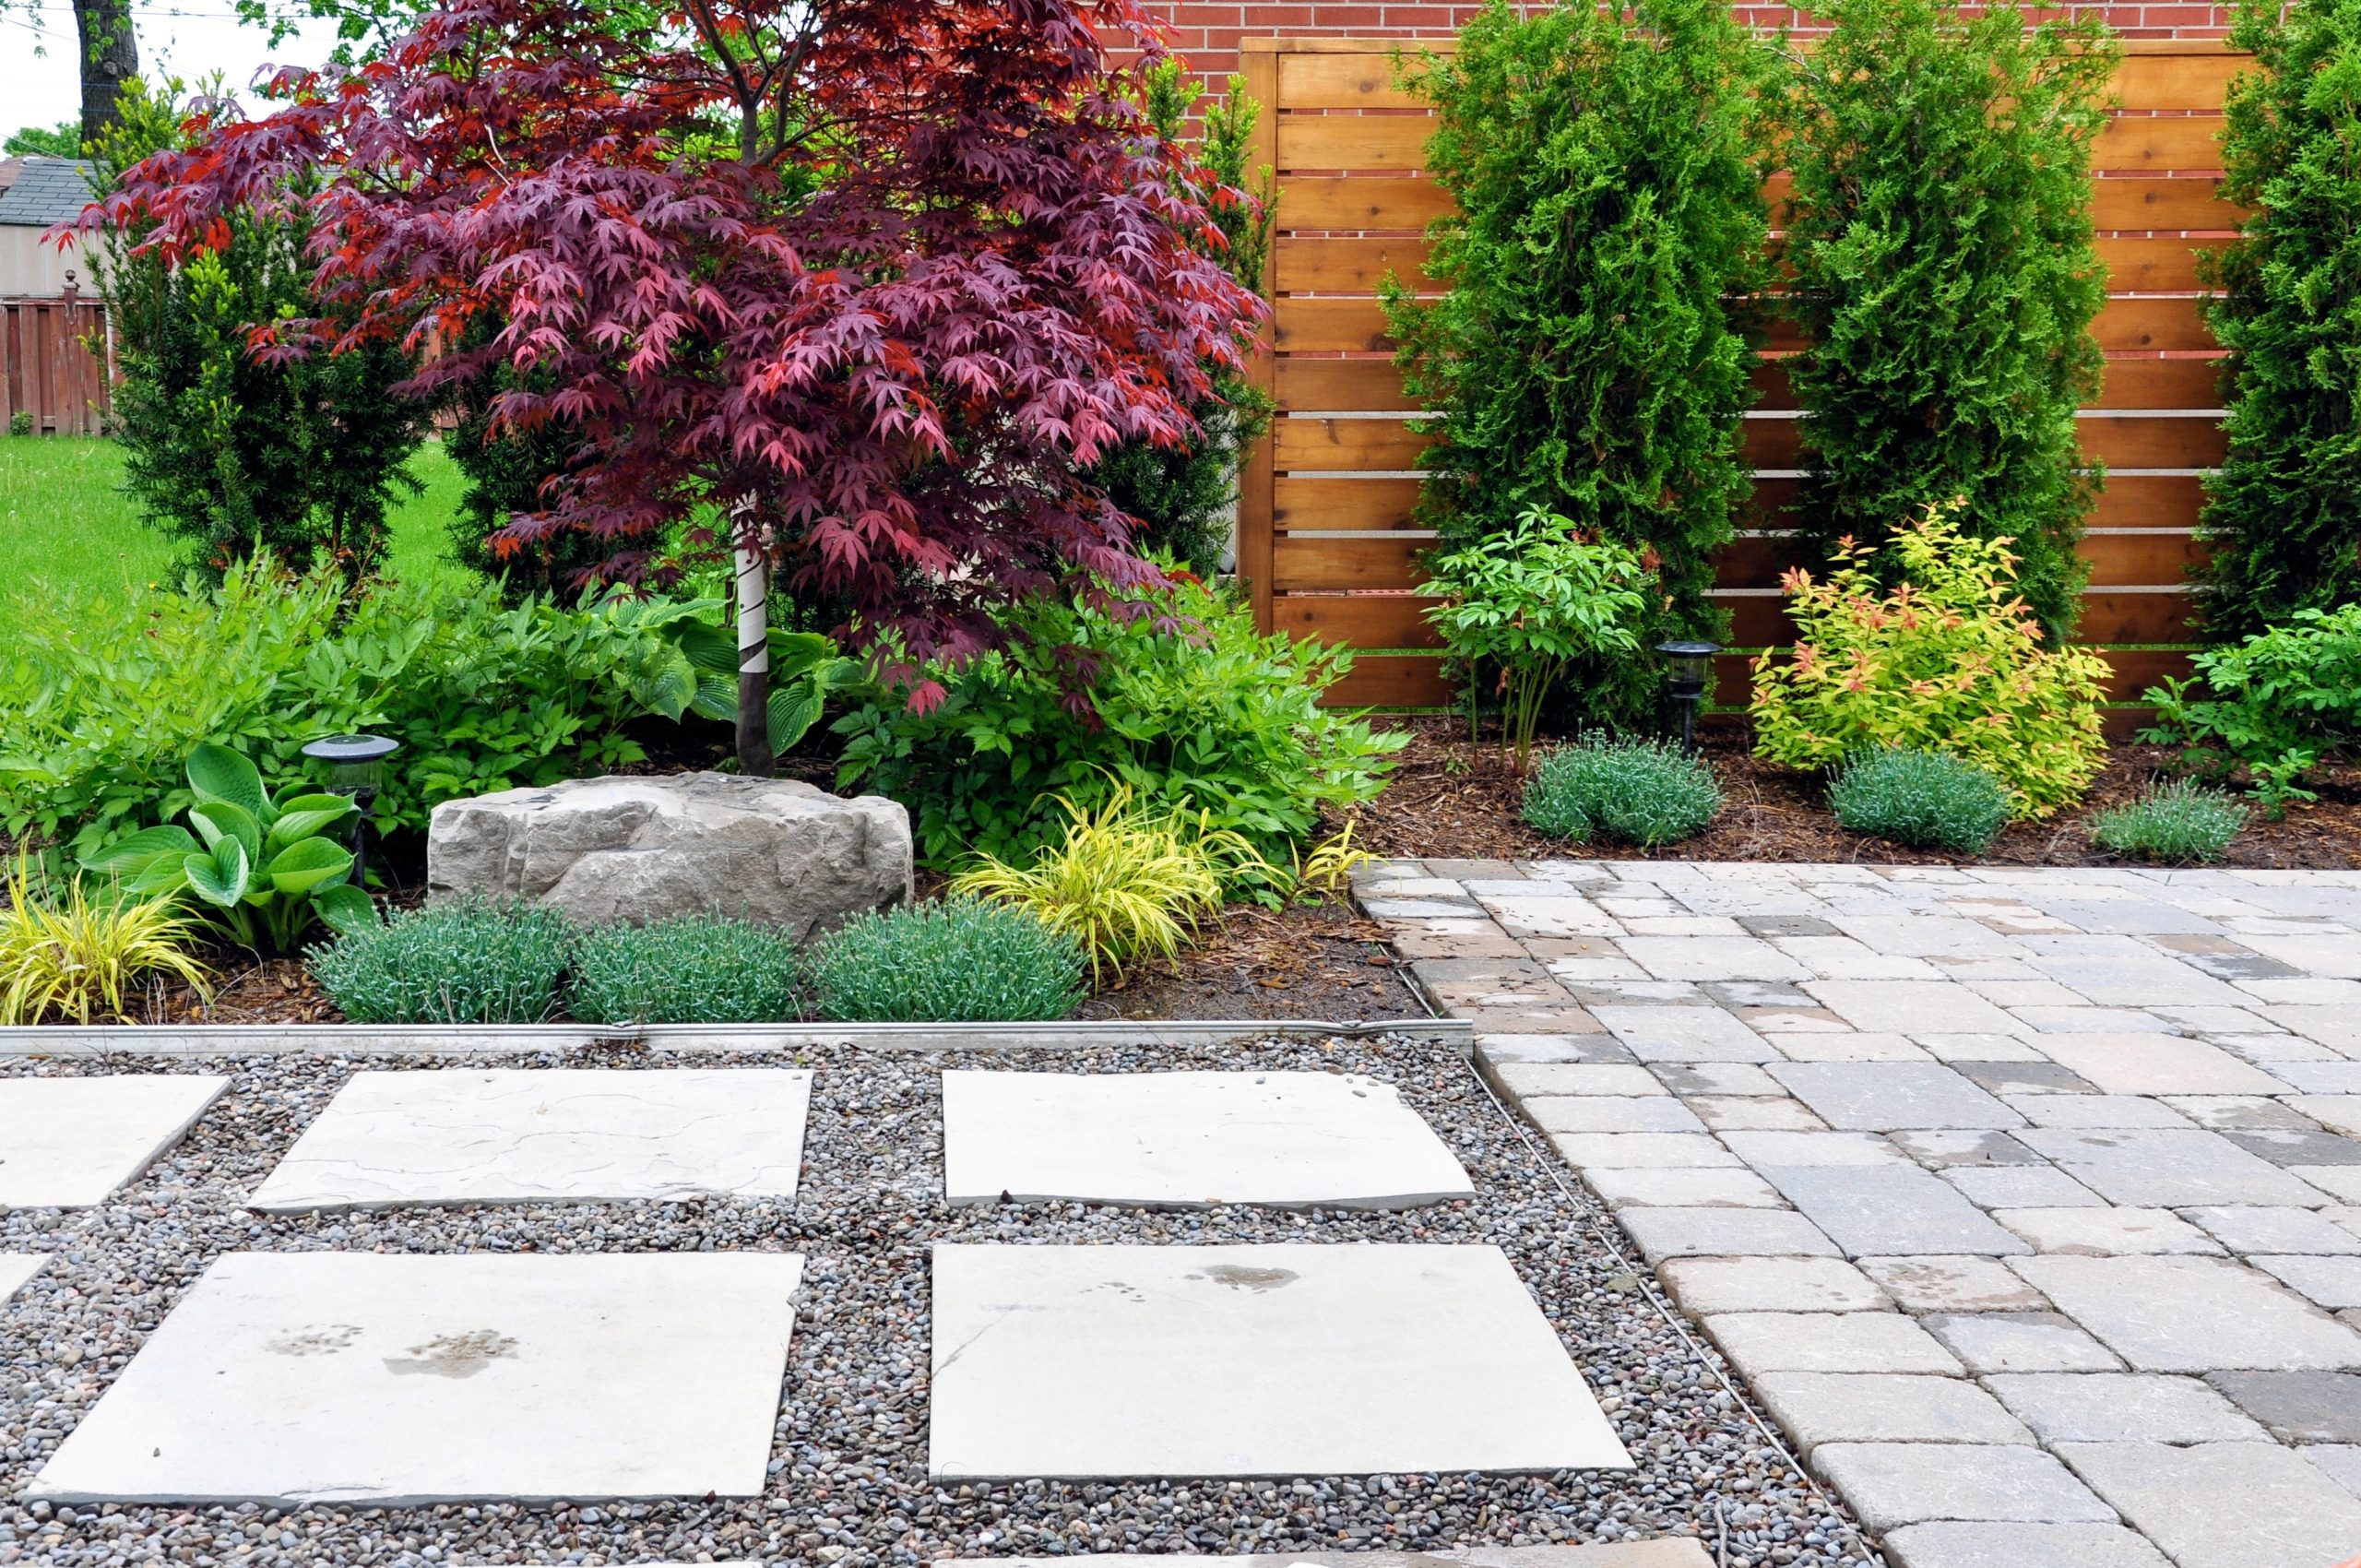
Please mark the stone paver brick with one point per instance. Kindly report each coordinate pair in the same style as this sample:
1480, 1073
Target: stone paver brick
1683, 1187
2191, 1315
1891, 1484
2340, 1462
1584, 1050
1885, 1096
1527, 1080
1735, 1078
1622, 1150
1611, 1113
1754, 1114
2107, 1232
1908, 1006
2019, 1342
1874, 1210
1763, 1150
2099, 1111
2224, 1505
1704, 1285
2295, 1149
1712, 958
1995, 1545
1845, 1342
2333, 1282
2256, 1230
2121, 1408
2020, 1186
1683, 1034
2297, 1406
1663, 1233
2145, 1064
1817, 1407
1953, 1284
2168, 1168
1943, 1150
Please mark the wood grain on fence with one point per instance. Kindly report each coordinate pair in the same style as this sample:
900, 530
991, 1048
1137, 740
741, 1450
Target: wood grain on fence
46, 367
1327, 538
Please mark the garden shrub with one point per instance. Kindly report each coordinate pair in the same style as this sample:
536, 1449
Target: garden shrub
1528, 603
233, 453
472, 961
2283, 514
101, 699
960, 961
687, 970
1926, 799
1585, 357
1643, 793
2277, 704
1951, 660
1127, 882
1176, 698
1945, 276
2180, 824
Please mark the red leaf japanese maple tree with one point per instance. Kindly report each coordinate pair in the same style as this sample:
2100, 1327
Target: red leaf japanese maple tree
877, 280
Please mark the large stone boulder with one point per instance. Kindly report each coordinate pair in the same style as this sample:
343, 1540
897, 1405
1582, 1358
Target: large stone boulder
637, 849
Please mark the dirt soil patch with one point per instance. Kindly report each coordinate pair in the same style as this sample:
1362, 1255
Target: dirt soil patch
1450, 800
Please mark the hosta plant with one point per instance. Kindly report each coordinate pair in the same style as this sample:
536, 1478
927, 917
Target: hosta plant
1950, 660
69, 955
261, 869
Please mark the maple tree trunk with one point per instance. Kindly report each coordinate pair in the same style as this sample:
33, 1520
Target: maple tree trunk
752, 581
110, 58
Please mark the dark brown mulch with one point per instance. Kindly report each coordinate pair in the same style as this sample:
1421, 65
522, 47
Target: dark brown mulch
1311, 961
1450, 799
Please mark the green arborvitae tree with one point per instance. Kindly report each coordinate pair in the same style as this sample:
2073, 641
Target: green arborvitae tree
2284, 516
1945, 277
1185, 498
1589, 357
234, 453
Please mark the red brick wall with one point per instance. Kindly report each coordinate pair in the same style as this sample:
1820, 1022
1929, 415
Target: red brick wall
1208, 33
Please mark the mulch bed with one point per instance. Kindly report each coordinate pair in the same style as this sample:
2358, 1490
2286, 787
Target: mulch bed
1450, 800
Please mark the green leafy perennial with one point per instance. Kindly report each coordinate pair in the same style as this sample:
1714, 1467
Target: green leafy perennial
1945, 277
2282, 515
1587, 359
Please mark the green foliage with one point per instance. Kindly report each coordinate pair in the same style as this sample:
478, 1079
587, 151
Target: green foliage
961, 961
1529, 602
1643, 793
264, 872
1926, 799
233, 453
67, 955
472, 961
2283, 514
505, 475
1945, 276
61, 140
101, 699
688, 969
1951, 660
1126, 883
2178, 823
2276, 704
1190, 709
21, 422
1586, 359
1183, 496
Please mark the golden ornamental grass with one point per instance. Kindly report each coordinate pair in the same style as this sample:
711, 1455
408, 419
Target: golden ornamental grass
79, 957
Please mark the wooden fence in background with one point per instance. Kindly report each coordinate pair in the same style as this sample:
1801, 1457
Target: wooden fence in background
1325, 538
46, 365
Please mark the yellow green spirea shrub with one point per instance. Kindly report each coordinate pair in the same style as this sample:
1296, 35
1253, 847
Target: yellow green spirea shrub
1950, 660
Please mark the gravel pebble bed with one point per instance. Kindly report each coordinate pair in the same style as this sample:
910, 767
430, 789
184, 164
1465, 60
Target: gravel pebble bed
848, 1485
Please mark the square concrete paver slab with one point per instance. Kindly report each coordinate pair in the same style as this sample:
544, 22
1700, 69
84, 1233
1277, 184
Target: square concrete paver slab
2192, 1314
2107, 1232
1825, 1342
1529, 1080
17, 1270
393, 1380
1891, 1484
2335, 1283
1093, 1362
2168, 1168
2297, 1406
1879, 1210
1712, 958
2121, 1408
2019, 1342
1911, 1006
2153, 1064
1953, 1285
1191, 1139
1989, 1544
2020, 1186
1610, 1113
68, 1143
475, 1136
1882, 1097
2253, 1230
1723, 1233
1817, 1407
2224, 1505
1684, 1033
1683, 1187
1704, 1285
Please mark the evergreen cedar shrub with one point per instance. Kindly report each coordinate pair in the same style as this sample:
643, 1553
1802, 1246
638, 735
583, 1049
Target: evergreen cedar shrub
1586, 359
1950, 660
960, 961
2283, 514
2180, 823
1636, 791
1945, 277
470, 961
879, 282
686, 969
1924, 800
230, 445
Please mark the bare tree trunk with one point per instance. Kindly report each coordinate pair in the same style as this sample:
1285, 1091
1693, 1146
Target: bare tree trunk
752, 583
110, 58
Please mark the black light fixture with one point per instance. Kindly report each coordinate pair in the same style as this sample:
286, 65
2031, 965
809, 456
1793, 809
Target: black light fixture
1689, 668
356, 768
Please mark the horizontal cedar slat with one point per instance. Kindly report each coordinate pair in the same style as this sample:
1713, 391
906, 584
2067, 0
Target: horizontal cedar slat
1322, 563
1416, 681
1364, 79
2126, 383
2153, 265
1361, 202
2148, 501
1312, 505
1346, 443
1345, 385
2151, 441
1411, 680
1371, 142
2141, 560
2120, 617
1364, 621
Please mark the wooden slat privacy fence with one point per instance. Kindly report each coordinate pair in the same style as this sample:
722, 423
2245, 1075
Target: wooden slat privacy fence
1326, 540
46, 365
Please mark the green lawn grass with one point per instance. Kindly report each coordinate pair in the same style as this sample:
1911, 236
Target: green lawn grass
65, 522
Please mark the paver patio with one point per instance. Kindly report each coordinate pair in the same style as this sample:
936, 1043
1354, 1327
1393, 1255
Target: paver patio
2028, 1199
